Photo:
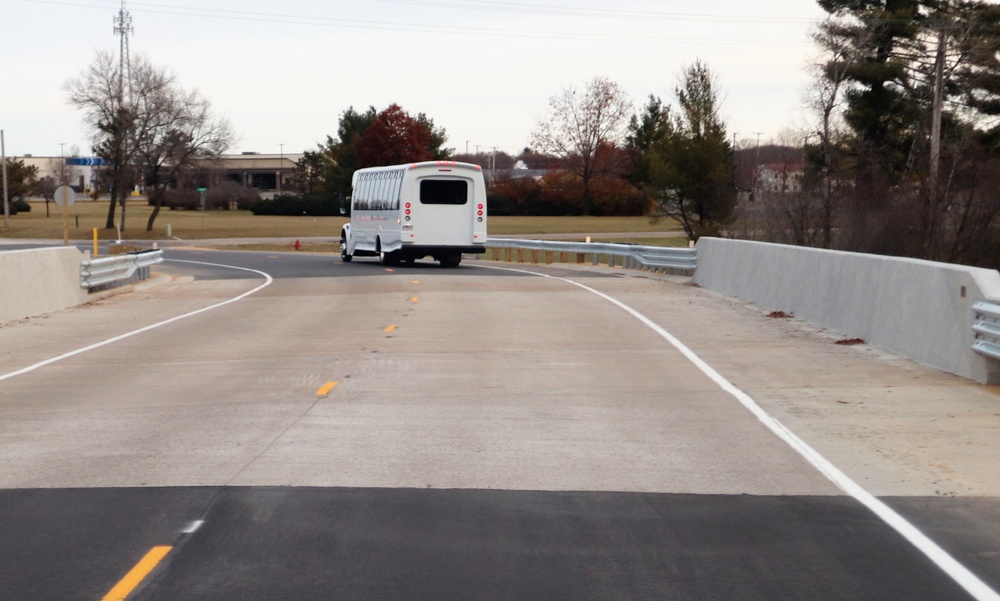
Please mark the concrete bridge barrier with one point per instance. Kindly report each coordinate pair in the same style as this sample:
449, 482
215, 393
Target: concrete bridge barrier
37, 281
918, 309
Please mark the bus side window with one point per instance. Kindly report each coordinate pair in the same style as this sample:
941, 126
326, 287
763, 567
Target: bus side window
383, 193
397, 182
364, 194
359, 195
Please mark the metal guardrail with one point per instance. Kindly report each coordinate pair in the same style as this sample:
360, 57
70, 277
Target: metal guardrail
631, 256
97, 274
986, 329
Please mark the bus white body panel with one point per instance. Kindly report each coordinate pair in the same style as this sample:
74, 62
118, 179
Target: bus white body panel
407, 212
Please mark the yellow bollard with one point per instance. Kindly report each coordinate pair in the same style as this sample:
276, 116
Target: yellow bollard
95, 241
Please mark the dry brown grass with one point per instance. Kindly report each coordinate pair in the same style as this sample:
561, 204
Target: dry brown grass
86, 215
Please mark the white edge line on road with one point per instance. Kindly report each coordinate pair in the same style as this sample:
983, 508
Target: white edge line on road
267, 282
958, 572
193, 527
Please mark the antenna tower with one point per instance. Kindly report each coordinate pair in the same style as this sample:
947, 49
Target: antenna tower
123, 27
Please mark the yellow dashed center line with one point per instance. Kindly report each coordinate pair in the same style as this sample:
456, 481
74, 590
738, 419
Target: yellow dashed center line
142, 569
414, 299
389, 329
325, 389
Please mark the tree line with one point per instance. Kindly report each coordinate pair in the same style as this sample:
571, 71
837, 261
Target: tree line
903, 156
589, 155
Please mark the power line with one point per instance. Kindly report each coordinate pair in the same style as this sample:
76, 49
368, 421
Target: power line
601, 13
311, 20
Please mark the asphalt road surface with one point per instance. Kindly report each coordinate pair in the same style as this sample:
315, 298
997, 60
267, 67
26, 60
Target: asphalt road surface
261, 426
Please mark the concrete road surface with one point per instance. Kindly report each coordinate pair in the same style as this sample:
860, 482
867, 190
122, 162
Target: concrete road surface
353, 431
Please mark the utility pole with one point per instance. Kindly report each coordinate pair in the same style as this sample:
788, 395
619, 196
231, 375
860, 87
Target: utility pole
6, 201
736, 167
936, 110
756, 167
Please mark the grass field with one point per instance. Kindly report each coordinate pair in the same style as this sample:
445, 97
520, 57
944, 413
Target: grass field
84, 216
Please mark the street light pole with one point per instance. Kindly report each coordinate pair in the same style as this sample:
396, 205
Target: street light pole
281, 164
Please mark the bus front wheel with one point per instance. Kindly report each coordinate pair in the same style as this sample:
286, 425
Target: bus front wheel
344, 256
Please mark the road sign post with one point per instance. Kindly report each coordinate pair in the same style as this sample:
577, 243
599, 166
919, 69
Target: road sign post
64, 197
202, 192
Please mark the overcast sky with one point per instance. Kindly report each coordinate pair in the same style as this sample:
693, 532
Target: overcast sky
284, 71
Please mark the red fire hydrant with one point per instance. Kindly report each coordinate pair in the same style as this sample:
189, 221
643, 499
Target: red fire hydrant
298, 245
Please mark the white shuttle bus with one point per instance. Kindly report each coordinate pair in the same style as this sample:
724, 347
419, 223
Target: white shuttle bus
407, 212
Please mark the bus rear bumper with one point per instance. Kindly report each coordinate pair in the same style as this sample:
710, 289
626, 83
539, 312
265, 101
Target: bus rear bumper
418, 251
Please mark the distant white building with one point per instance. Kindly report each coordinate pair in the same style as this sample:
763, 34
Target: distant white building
268, 173
79, 177
781, 178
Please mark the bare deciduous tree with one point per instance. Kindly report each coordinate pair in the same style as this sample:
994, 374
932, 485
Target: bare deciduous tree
98, 92
584, 129
174, 128
147, 126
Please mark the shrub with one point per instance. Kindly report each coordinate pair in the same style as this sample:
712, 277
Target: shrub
224, 196
308, 204
231, 195
19, 206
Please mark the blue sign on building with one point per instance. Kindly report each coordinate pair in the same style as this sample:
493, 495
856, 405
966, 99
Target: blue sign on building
93, 162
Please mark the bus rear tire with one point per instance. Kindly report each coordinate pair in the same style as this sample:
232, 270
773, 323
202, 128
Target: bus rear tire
387, 259
450, 260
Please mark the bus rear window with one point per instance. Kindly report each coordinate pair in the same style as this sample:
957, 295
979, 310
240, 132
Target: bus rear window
444, 192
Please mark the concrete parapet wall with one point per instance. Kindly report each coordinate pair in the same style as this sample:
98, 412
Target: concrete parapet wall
918, 309
39, 281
